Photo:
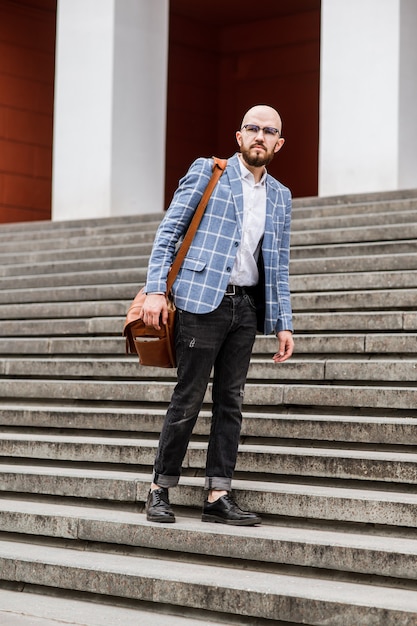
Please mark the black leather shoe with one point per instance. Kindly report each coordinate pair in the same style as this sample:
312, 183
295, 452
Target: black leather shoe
158, 508
226, 511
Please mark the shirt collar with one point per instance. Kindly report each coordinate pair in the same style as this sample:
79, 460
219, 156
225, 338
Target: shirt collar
247, 174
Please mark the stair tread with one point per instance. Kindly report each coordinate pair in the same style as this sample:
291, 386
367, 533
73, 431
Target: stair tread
20, 608
351, 493
267, 449
276, 423
209, 576
25, 405
203, 532
328, 450
292, 393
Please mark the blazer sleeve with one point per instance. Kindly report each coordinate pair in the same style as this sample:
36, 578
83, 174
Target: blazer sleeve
284, 321
175, 223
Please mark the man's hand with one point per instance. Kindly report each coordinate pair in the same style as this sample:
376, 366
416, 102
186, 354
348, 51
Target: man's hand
154, 310
286, 346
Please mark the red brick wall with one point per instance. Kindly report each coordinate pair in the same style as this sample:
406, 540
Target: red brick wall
27, 47
216, 72
192, 109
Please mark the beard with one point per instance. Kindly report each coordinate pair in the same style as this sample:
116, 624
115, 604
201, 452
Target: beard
256, 159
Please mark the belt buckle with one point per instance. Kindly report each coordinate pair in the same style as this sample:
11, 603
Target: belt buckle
231, 290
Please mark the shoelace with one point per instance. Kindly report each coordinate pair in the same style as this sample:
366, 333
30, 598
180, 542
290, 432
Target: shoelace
232, 502
161, 497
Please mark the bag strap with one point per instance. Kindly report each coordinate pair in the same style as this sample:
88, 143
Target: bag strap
219, 166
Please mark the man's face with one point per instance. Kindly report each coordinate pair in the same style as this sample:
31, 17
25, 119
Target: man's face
257, 143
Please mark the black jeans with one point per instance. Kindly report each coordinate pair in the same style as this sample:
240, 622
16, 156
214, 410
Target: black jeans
221, 340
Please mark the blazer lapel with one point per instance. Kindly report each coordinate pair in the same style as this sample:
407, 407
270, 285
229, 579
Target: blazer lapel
235, 181
272, 205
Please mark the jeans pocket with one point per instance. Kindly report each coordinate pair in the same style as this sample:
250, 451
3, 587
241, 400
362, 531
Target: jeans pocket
251, 300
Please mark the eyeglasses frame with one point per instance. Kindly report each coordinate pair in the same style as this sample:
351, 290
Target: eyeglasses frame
267, 130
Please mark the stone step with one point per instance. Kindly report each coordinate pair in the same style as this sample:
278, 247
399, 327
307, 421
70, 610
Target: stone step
355, 234
401, 397
60, 345
105, 263
317, 322
133, 268
131, 236
353, 220
282, 425
345, 300
320, 236
301, 211
355, 198
302, 208
70, 294
33, 607
353, 281
321, 434
319, 500
349, 281
32, 312
360, 263
313, 254
371, 343
352, 249
355, 321
62, 327
341, 550
386, 322
361, 299
46, 257
80, 279
251, 593
347, 464
140, 244
298, 369
79, 230
61, 226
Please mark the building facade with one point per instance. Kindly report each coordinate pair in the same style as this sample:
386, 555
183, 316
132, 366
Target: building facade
105, 103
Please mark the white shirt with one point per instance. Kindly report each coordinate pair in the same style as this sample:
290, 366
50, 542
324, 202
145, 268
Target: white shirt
245, 271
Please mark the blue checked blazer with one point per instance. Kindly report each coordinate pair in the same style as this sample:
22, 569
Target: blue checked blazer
205, 272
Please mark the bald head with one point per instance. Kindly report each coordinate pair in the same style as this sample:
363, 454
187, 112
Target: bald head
263, 113
258, 138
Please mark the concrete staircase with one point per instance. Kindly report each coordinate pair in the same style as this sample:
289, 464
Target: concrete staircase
329, 441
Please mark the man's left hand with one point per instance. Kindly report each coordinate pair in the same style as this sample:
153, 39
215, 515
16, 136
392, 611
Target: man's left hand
286, 346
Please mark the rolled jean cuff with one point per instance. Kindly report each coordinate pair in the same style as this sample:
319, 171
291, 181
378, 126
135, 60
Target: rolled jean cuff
219, 483
165, 481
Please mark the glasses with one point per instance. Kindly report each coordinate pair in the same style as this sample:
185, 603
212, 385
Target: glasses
253, 129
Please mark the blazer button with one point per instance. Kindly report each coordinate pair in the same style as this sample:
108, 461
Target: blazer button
228, 269
236, 244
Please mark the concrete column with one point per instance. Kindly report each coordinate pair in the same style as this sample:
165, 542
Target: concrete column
407, 165
110, 108
368, 91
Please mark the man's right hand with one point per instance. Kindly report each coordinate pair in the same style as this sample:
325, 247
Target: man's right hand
154, 310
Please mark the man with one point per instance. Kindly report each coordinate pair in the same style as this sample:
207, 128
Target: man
242, 241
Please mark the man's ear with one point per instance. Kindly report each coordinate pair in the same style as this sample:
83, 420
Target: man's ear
239, 137
279, 144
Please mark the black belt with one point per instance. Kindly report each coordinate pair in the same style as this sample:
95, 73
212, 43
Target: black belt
237, 290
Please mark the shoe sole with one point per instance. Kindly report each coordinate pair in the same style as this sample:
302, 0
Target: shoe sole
231, 522
161, 520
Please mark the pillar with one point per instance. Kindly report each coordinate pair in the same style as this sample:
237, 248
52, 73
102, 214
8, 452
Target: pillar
110, 108
368, 94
